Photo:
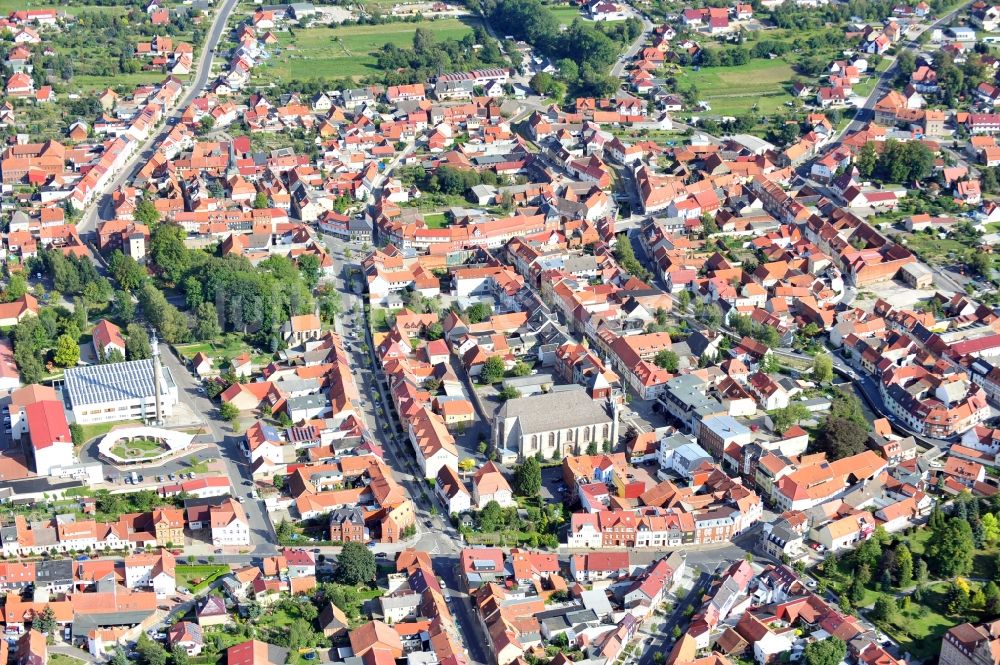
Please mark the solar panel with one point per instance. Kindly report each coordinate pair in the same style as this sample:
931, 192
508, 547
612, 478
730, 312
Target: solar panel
113, 382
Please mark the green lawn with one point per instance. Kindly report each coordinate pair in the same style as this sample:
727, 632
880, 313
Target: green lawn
197, 467
198, 577
139, 449
87, 82
60, 659
919, 628
227, 348
379, 319
734, 90
8, 6
100, 429
436, 220
935, 250
324, 52
565, 13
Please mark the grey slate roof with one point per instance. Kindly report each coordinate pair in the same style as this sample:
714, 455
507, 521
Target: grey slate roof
554, 410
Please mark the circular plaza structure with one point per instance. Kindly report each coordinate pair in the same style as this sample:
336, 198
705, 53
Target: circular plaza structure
140, 444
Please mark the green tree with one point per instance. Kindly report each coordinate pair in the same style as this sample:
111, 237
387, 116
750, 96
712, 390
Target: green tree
254, 610
790, 415
904, 566
667, 359
491, 517
260, 201
118, 657
959, 598
137, 346
507, 393
45, 622
492, 371
991, 528
284, 530
355, 564
828, 651
885, 609
822, 369
17, 286
168, 252
950, 550
179, 655
684, 300
478, 312
146, 213
207, 325
123, 307
150, 652
991, 593
867, 160
227, 411
840, 438
309, 266
67, 351
521, 368
126, 271
528, 478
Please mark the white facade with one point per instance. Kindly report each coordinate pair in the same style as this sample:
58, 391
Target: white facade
503, 497
141, 577
236, 533
56, 454
118, 391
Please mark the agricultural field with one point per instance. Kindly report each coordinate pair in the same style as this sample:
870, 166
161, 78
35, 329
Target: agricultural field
88, 83
325, 52
734, 90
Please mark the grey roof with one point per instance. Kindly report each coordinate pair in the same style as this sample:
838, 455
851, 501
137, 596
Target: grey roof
399, 601
113, 382
307, 402
54, 571
83, 624
554, 410
347, 513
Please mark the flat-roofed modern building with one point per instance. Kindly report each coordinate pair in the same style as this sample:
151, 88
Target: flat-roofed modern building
119, 391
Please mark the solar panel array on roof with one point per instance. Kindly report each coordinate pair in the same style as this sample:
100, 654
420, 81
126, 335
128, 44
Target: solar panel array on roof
113, 382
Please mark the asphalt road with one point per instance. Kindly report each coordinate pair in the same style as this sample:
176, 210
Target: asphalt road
864, 112
435, 534
662, 638
101, 208
227, 444
618, 70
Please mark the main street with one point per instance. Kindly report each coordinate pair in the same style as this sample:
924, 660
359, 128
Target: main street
101, 207
227, 443
618, 70
435, 534
884, 83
